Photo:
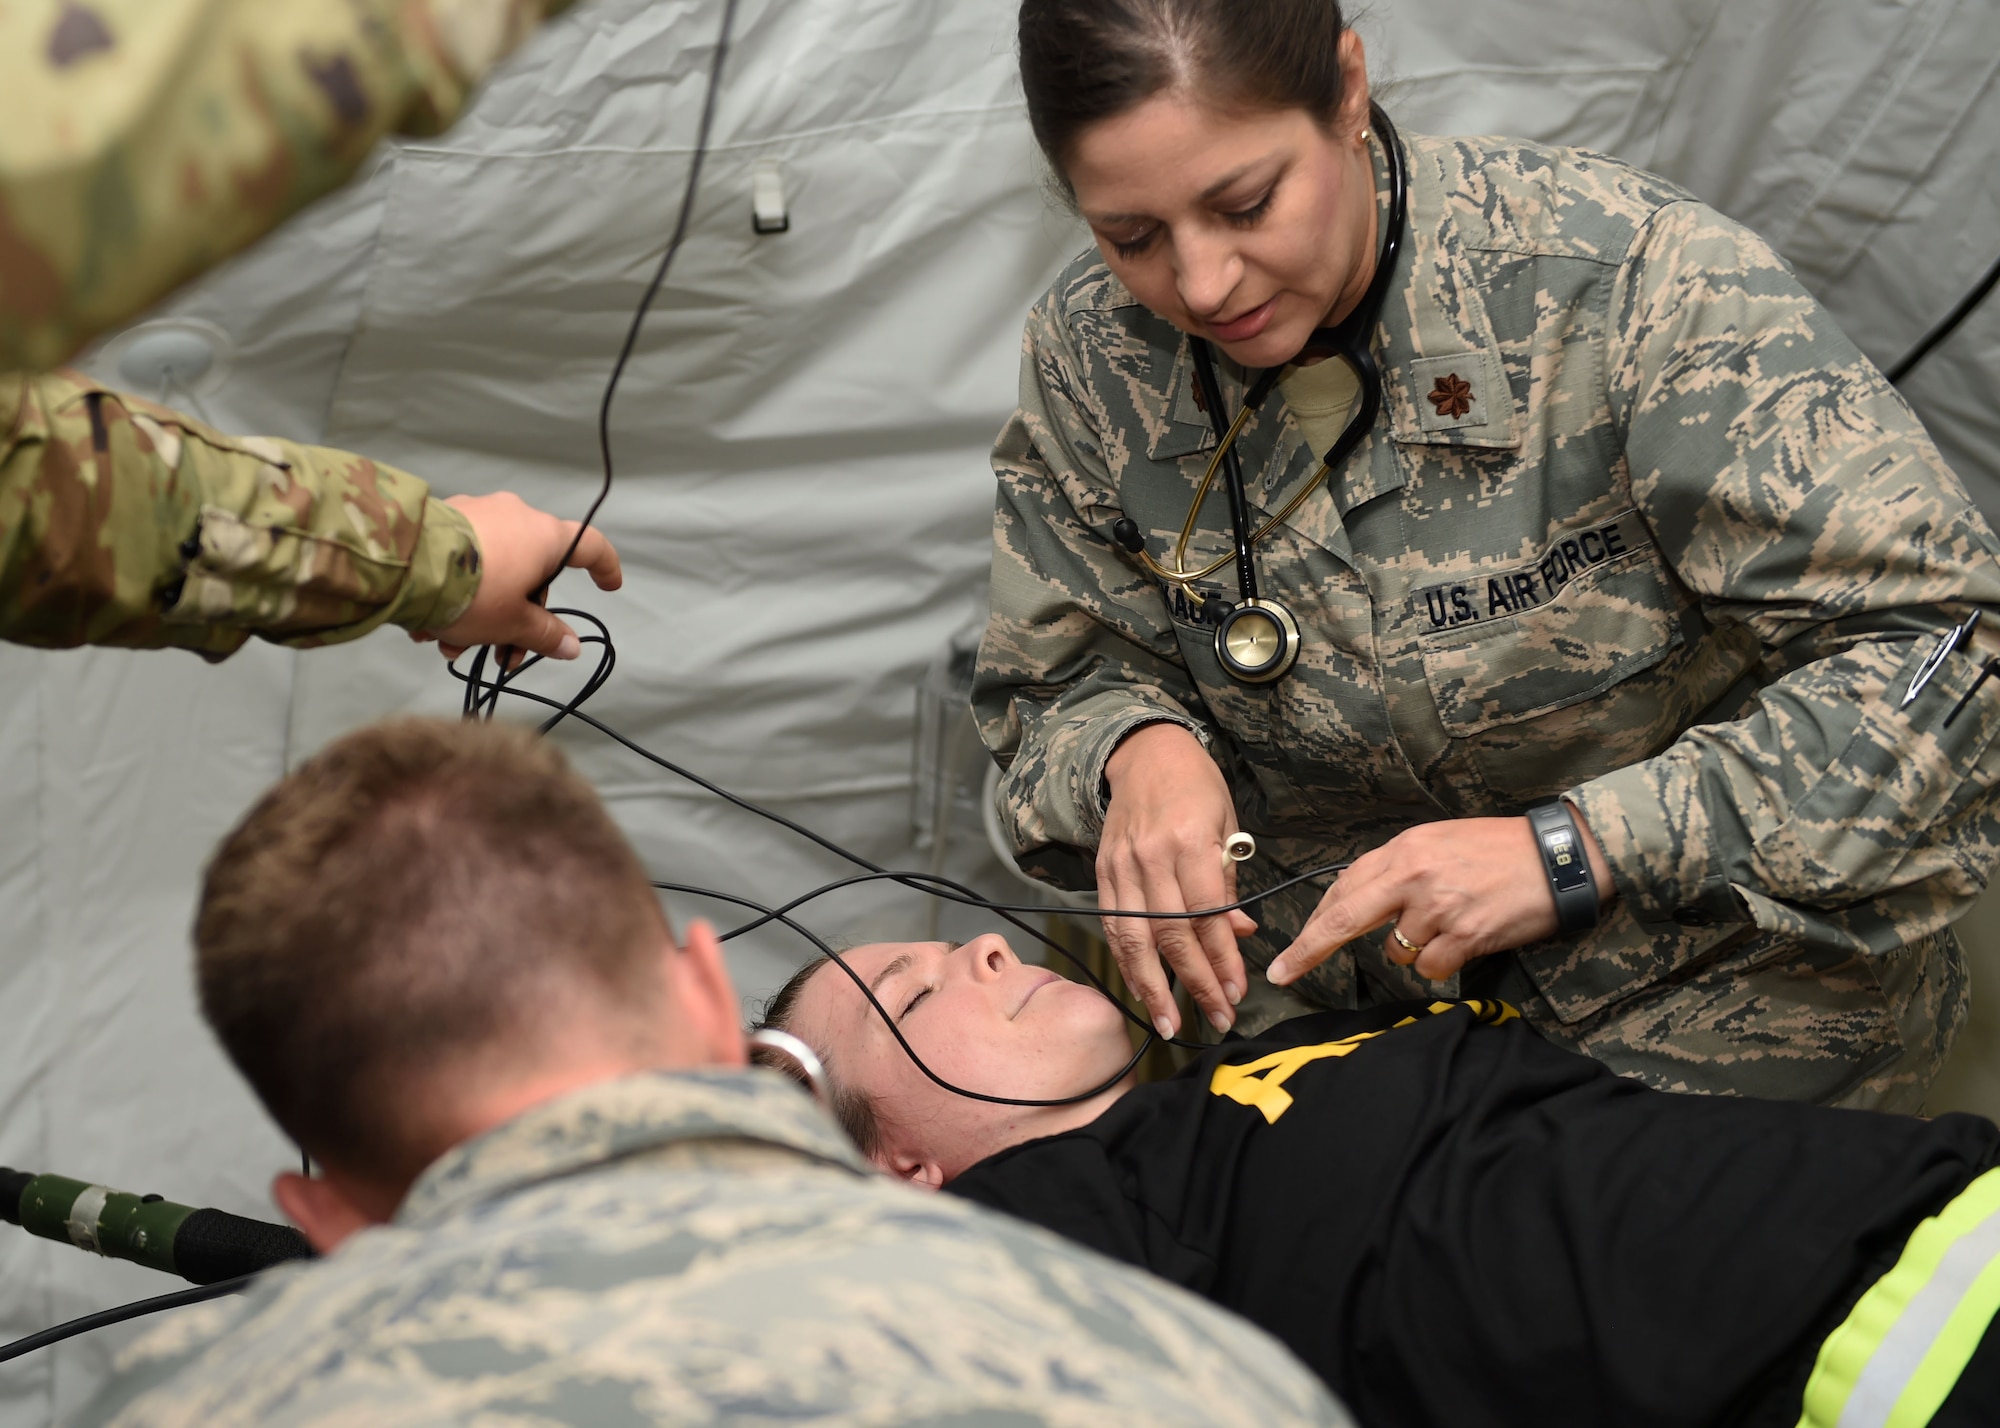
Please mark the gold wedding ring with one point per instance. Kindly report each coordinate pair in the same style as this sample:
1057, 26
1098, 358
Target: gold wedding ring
1413, 948
1239, 847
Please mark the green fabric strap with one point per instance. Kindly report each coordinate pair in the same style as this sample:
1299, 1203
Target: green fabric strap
1894, 1360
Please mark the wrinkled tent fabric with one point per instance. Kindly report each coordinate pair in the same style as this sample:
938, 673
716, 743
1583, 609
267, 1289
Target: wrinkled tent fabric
803, 495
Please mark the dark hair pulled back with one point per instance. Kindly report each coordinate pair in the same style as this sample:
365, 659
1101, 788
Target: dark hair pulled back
1084, 61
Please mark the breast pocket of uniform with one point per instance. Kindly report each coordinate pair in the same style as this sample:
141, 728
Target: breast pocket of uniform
1243, 711
1558, 671
1246, 714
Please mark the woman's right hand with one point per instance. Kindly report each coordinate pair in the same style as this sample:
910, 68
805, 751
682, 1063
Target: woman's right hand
1169, 814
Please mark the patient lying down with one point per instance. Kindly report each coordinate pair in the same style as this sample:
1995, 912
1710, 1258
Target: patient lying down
1452, 1220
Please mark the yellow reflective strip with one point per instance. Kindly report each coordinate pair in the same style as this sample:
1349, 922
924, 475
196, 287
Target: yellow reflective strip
1848, 1348
1949, 1353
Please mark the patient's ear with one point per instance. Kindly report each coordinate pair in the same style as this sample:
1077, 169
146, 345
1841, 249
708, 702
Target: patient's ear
323, 1211
924, 1174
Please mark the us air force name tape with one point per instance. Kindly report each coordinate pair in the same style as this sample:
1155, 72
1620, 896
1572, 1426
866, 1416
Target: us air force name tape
1185, 605
1524, 587
205, 1246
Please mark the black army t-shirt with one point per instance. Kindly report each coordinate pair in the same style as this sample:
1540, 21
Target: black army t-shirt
1457, 1223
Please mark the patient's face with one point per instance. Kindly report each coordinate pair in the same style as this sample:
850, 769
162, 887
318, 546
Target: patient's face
980, 1018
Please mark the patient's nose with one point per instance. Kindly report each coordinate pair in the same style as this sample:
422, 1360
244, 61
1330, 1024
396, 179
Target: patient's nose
989, 956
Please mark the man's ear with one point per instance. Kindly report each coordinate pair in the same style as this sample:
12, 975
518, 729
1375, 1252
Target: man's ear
924, 1174
707, 997
321, 1209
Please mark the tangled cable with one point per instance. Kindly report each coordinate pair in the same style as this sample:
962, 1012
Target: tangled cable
930, 884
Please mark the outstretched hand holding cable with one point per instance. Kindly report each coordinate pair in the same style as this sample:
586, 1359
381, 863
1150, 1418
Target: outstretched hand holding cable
482, 698
519, 546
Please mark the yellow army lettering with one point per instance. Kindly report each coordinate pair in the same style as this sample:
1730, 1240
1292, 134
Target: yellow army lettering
1261, 1083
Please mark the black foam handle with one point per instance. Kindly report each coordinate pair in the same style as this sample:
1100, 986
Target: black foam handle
214, 1245
12, 1184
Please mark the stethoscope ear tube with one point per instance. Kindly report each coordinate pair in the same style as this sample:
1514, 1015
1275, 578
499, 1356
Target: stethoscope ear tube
1232, 472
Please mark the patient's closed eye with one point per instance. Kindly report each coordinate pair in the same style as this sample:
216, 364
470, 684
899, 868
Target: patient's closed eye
912, 1004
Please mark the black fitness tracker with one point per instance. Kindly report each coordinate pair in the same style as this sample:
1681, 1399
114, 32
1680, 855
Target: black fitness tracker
1561, 842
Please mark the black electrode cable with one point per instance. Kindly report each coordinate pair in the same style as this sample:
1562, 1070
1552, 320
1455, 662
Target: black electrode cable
928, 883
1948, 325
897, 1032
478, 697
782, 916
482, 697
105, 1318
946, 890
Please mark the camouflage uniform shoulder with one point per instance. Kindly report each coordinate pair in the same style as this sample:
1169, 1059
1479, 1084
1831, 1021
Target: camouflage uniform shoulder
615, 1119
1085, 287
1509, 195
703, 1248
1093, 350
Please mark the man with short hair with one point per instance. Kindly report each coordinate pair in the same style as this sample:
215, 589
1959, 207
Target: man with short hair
1456, 1223
551, 1190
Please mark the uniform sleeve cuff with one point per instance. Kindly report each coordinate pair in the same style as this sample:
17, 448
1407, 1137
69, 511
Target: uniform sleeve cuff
444, 572
1663, 871
1094, 796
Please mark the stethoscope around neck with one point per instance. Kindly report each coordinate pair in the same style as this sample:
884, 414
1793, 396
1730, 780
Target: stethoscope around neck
1257, 639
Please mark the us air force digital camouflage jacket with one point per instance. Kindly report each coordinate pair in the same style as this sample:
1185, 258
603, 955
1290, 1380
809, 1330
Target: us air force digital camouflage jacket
1638, 526
141, 141
702, 1248
124, 523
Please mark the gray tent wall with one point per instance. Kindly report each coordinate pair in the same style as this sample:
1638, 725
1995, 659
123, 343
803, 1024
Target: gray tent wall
803, 498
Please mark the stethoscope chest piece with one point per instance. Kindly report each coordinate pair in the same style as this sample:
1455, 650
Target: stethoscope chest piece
1257, 642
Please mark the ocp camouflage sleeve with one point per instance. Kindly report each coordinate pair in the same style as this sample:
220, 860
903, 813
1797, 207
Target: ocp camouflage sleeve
124, 523
1059, 585
1793, 492
142, 141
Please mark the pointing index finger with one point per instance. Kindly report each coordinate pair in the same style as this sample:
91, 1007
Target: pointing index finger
1350, 908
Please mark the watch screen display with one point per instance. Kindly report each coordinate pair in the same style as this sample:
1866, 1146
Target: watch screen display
1567, 866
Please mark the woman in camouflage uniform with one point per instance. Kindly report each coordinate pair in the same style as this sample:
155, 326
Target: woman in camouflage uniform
1637, 532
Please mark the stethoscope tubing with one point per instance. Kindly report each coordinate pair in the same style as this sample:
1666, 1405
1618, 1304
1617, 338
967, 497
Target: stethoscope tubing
1351, 340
